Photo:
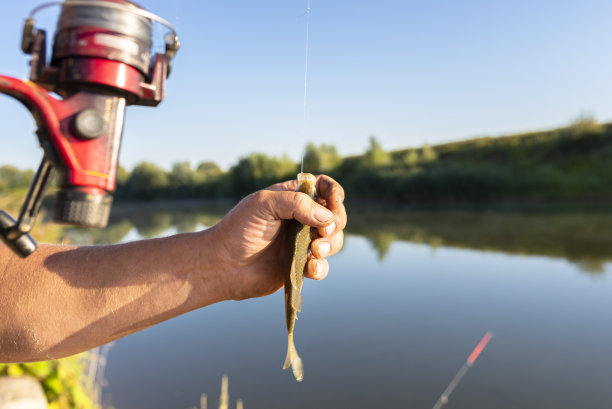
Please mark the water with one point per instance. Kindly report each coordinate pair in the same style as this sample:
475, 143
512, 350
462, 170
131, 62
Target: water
405, 303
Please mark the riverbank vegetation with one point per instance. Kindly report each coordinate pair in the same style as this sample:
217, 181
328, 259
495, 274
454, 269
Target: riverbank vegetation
572, 163
63, 381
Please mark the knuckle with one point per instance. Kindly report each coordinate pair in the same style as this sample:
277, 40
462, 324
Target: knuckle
258, 197
339, 241
261, 200
300, 200
342, 223
340, 191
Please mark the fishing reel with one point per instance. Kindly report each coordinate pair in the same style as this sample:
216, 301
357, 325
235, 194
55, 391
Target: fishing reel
101, 62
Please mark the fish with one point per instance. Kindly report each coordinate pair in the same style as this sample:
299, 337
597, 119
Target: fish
298, 242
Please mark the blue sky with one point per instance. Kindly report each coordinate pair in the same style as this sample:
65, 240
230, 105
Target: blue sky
408, 72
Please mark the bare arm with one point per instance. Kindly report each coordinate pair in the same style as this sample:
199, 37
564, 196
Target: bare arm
63, 300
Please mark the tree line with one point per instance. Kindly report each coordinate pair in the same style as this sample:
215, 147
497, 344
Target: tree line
573, 162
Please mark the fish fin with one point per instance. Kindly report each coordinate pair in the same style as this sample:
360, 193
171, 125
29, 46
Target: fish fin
298, 368
291, 352
294, 361
298, 302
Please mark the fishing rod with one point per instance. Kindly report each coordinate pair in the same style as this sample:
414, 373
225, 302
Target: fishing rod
466, 366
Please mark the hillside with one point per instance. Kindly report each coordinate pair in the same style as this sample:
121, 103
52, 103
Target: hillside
570, 164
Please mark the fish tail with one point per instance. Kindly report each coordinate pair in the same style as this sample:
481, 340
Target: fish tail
294, 361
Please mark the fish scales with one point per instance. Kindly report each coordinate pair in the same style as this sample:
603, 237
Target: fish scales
298, 242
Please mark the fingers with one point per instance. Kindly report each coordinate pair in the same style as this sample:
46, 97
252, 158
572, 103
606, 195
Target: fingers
288, 185
330, 190
276, 205
327, 246
333, 194
316, 269
327, 189
280, 201
338, 224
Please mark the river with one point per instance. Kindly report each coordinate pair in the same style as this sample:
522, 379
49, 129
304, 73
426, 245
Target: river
406, 301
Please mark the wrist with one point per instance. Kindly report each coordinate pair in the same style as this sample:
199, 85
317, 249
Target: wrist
211, 273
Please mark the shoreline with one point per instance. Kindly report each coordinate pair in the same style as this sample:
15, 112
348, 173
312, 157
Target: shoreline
366, 204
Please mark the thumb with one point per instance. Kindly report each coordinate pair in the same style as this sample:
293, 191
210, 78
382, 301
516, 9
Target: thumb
295, 205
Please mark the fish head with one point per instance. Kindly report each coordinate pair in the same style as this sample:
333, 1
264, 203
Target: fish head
307, 183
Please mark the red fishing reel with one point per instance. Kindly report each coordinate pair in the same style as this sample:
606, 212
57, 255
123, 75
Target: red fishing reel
101, 62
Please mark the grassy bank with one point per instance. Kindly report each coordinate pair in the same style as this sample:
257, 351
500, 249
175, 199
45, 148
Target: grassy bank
565, 164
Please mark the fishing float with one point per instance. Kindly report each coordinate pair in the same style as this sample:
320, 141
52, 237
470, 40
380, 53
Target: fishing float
466, 366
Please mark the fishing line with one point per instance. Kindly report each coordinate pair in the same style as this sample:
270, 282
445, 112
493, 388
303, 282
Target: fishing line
306, 77
306, 57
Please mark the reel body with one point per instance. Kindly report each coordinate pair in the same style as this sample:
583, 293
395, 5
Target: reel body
101, 62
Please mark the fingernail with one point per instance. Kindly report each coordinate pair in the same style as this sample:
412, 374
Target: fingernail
322, 214
324, 248
319, 270
330, 229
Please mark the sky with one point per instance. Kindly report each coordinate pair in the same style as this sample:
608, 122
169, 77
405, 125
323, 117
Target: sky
408, 72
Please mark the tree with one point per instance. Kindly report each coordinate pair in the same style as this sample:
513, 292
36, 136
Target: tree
181, 177
375, 156
207, 171
259, 170
147, 180
412, 158
122, 176
429, 154
321, 159
585, 124
12, 177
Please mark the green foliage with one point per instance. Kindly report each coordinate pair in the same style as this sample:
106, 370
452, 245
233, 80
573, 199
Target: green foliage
122, 176
147, 180
181, 175
182, 179
14, 178
375, 156
429, 154
322, 159
585, 124
411, 158
414, 157
62, 380
208, 171
257, 171
571, 163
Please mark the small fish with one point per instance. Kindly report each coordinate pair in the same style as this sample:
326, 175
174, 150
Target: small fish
298, 243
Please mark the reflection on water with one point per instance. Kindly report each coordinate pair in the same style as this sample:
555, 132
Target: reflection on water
151, 220
405, 303
584, 239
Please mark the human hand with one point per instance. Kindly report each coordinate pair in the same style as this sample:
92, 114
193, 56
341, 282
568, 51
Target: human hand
251, 239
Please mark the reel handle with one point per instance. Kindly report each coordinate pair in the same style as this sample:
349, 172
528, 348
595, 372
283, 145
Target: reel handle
22, 245
15, 233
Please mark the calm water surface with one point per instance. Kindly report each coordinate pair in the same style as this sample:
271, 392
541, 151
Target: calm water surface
405, 303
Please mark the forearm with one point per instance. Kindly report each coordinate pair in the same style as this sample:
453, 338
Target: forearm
63, 300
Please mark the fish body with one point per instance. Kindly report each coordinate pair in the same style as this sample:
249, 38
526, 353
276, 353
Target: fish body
298, 242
